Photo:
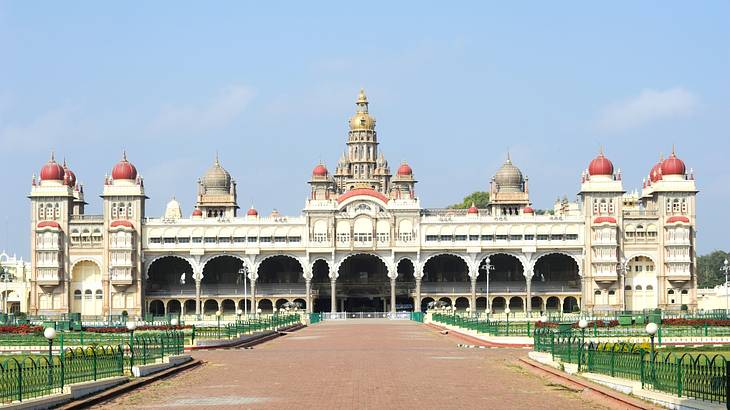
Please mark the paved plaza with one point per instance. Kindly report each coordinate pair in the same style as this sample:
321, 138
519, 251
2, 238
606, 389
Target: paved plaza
372, 364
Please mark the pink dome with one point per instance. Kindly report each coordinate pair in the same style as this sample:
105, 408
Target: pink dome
252, 212
319, 171
197, 212
124, 169
404, 170
528, 210
52, 171
600, 166
673, 166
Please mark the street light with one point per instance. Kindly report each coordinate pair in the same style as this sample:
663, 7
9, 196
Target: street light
243, 272
131, 326
49, 333
218, 316
174, 321
258, 311
582, 324
487, 267
506, 310
622, 269
238, 312
7, 276
651, 329
726, 269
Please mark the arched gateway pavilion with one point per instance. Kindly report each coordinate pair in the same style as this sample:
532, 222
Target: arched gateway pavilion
364, 243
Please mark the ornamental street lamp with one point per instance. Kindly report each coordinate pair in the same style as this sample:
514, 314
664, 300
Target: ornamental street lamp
726, 269
6, 276
174, 321
507, 310
49, 333
582, 324
238, 312
487, 267
243, 274
258, 312
651, 330
218, 316
131, 326
622, 268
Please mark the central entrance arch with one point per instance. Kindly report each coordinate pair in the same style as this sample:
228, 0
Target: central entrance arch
363, 284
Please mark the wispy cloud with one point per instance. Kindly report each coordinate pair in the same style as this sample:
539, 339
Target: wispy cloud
46, 130
219, 112
647, 107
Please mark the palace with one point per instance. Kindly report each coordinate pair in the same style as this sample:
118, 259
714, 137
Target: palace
364, 243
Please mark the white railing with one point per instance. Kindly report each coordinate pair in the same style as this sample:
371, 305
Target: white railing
366, 315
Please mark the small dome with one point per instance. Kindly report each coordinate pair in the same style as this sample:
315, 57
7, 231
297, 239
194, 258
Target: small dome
121, 223
472, 209
124, 169
656, 172
216, 179
48, 224
69, 178
673, 166
197, 213
252, 211
173, 210
319, 171
528, 210
52, 171
509, 178
677, 218
600, 166
404, 170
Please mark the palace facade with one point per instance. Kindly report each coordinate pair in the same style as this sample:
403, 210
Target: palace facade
364, 243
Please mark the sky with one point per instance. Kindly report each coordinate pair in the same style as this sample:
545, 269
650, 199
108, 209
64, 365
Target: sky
270, 87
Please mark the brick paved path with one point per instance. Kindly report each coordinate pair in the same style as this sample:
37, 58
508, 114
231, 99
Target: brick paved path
359, 365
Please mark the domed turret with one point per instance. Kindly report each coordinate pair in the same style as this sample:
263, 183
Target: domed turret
600, 165
473, 210
656, 171
124, 169
362, 120
252, 211
197, 213
673, 166
509, 178
404, 170
52, 171
69, 178
319, 171
173, 210
216, 179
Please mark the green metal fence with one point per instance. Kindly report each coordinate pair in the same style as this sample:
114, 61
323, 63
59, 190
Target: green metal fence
417, 316
690, 375
315, 318
242, 327
491, 327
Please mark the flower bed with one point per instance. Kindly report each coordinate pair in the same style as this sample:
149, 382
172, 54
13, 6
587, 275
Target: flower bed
696, 322
140, 328
22, 329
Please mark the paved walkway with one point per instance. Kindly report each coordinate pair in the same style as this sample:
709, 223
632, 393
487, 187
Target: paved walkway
370, 364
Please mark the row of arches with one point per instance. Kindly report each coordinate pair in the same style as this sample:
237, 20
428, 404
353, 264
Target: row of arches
498, 304
161, 307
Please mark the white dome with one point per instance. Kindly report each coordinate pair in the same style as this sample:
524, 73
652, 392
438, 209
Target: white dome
172, 210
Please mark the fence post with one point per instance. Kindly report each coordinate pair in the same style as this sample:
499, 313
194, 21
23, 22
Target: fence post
727, 384
20, 381
678, 363
162, 348
552, 345
93, 350
613, 360
641, 368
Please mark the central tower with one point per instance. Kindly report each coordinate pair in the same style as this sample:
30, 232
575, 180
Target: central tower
360, 165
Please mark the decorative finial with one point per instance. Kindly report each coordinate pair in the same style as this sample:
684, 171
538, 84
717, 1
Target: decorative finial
53, 156
673, 154
600, 149
64, 163
216, 158
124, 154
509, 158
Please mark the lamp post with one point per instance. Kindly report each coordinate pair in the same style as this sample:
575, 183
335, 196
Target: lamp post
238, 312
621, 268
50, 333
726, 270
218, 317
506, 310
174, 321
244, 273
131, 326
651, 330
582, 324
258, 312
111, 272
7, 276
487, 267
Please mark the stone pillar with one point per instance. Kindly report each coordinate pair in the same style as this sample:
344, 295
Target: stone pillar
473, 300
392, 295
528, 296
417, 299
333, 296
198, 307
621, 293
308, 297
254, 306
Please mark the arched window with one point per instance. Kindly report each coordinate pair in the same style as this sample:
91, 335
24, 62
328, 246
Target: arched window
87, 294
611, 292
649, 287
638, 287
597, 292
130, 210
684, 291
99, 294
671, 291
114, 210
77, 294
627, 287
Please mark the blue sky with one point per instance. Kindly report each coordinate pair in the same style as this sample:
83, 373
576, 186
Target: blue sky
270, 87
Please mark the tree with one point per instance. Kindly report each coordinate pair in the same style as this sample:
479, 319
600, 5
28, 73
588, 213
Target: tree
480, 199
709, 274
